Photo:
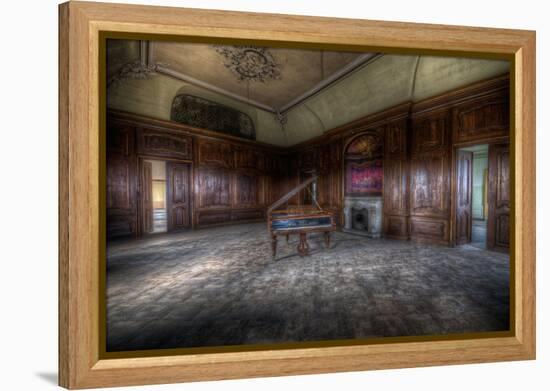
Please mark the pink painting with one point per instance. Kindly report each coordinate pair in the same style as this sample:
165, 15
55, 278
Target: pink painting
364, 178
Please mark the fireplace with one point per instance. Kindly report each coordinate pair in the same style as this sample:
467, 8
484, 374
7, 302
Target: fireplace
360, 219
363, 216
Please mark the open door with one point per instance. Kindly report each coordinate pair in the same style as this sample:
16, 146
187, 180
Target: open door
177, 175
464, 173
147, 196
498, 224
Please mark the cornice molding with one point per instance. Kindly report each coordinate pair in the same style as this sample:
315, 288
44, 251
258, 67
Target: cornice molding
162, 69
141, 121
461, 94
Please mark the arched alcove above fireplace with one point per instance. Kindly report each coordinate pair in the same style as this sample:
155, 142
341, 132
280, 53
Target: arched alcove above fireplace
364, 183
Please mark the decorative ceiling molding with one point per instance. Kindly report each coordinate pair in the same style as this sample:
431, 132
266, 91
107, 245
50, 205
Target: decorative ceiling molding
260, 66
281, 118
138, 69
133, 70
250, 63
345, 71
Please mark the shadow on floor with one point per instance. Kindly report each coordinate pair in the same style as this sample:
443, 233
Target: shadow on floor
48, 377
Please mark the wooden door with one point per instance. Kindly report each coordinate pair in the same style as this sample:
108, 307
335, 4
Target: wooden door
498, 224
177, 195
147, 196
464, 173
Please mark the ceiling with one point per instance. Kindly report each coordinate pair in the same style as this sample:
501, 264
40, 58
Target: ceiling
273, 79
292, 95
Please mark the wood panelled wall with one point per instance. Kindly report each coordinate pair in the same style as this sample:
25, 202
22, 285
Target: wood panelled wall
231, 180
122, 200
421, 143
326, 155
235, 180
477, 114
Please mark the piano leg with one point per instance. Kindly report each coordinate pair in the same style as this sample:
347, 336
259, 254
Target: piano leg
327, 239
303, 246
287, 237
274, 244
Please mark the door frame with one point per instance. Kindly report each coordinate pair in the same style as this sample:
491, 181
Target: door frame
454, 157
141, 200
140, 159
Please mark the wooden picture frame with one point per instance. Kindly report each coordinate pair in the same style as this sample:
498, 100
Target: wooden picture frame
81, 148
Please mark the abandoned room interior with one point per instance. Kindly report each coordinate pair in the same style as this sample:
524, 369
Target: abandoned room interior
272, 195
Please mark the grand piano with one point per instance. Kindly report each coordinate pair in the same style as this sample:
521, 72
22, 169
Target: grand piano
299, 220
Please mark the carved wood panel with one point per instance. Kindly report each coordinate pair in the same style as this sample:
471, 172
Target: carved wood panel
430, 133
329, 156
213, 188
247, 214
396, 227
430, 186
430, 230
120, 140
247, 158
247, 190
396, 180
430, 173
498, 224
396, 186
486, 117
215, 153
275, 164
211, 217
396, 140
120, 169
164, 144
308, 159
121, 181
276, 187
502, 231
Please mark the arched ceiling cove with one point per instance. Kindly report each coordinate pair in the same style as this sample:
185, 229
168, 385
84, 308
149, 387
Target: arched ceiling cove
316, 91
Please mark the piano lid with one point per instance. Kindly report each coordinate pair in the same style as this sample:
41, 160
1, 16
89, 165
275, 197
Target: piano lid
292, 193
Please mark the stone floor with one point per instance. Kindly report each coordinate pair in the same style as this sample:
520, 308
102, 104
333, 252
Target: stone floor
220, 286
479, 234
159, 220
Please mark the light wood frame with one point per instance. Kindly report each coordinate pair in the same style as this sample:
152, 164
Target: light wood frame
81, 146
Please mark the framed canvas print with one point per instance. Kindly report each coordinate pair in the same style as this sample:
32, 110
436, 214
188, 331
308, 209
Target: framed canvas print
246, 195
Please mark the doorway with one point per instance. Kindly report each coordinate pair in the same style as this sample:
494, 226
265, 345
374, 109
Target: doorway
472, 208
154, 196
164, 190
